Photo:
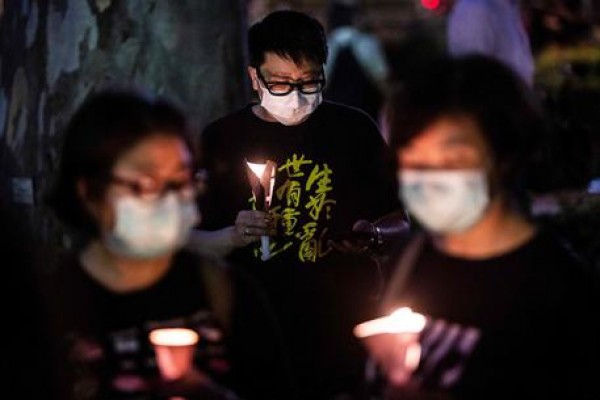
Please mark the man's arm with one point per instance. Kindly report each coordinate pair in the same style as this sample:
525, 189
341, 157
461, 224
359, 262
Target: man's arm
249, 226
213, 243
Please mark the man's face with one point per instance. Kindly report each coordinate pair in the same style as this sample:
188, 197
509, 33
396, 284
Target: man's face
289, 92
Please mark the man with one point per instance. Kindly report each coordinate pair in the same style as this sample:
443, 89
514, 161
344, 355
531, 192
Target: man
494, 28
332, 169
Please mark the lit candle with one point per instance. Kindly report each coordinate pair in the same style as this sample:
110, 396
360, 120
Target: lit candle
174, 349
393, 341
266, 184
257, 168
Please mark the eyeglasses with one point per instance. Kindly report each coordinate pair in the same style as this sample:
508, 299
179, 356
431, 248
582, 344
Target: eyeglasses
285, 88
147, 188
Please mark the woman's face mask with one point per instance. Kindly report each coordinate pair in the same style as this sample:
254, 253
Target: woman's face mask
291, 109
445, 201
145, 229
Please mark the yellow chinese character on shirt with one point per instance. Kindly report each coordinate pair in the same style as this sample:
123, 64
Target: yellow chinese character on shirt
308, 250
293, 167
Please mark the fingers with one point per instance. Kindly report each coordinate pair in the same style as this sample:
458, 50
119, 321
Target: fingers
250, 225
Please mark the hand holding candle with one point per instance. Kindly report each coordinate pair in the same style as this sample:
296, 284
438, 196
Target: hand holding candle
393, 342
262, 181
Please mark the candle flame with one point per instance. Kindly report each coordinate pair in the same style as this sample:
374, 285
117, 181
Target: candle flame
173, 337
402, 320
258, 169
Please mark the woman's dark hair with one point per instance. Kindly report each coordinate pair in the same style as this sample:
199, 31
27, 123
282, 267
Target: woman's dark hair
289, 34
507, 112
107, 125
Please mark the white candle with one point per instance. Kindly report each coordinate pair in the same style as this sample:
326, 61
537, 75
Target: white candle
265, 248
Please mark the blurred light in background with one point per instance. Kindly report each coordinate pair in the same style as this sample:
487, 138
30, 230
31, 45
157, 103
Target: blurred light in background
430, 4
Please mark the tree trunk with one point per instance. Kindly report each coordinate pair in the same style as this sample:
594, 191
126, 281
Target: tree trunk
55, 52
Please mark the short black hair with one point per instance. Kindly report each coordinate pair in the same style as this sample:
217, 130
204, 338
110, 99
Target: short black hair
289, 34
108, 124
507, 112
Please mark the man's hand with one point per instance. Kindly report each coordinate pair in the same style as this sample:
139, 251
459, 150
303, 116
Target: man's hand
250, 225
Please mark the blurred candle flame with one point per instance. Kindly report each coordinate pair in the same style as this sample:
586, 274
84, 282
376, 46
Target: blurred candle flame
402, 320
173, 337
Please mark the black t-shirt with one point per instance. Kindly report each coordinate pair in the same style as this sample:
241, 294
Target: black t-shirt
332, 170
105, 334
524, 324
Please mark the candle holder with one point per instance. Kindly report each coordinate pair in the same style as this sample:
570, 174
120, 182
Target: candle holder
174, 349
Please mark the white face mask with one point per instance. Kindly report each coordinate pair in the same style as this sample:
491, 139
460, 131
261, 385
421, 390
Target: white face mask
151, 228
291, 109
447, 201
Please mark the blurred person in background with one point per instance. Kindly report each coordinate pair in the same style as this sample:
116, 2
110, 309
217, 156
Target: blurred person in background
494, 28
126, 185
557, 22
357, 71
568, 79
543, 42
512, 312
